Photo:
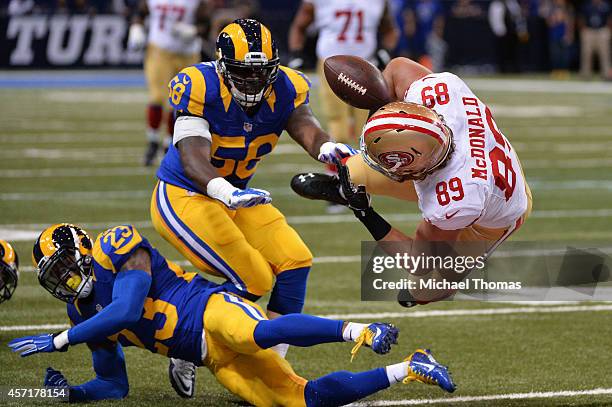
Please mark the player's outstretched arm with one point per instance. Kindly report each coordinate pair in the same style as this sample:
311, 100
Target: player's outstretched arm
129, 293
306, 130
400, 73
111, 381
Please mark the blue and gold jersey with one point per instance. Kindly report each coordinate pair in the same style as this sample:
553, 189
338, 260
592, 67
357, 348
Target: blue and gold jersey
239, 141
172, 319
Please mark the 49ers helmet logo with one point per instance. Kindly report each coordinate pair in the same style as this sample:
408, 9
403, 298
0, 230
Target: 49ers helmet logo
396, 159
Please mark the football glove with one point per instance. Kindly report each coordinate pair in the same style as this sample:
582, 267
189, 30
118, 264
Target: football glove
356, 196
382, 58
29, 345
330, 151
234, 198
185, 32
137, 37
55, 378
296, 60
245, 198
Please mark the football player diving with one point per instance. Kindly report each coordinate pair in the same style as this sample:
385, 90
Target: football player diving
9, 264
437, 145
122, 292
230, 114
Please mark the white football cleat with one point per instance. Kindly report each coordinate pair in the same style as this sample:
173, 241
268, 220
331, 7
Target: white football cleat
182, 377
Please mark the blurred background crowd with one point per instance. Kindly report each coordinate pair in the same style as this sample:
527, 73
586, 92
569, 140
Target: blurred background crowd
509, 36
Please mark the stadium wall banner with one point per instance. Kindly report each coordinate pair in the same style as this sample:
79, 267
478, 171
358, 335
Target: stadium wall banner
65, 41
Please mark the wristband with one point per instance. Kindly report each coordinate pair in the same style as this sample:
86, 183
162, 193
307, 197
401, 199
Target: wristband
60, 340
376, 224
220, 189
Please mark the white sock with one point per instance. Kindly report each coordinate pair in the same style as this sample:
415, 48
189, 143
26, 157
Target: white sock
281, 349
396, 373
153, 135
352, 331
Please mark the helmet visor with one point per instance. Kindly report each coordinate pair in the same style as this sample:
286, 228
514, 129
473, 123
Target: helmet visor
251, 80
63, 275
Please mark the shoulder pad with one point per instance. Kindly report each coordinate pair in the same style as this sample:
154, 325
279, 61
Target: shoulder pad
115, 246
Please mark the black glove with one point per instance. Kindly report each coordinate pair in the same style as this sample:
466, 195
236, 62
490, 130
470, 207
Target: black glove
296, 60
382, 57
357, 197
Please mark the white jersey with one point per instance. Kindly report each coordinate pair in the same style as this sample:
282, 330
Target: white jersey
483, 182
163, 15
347, 27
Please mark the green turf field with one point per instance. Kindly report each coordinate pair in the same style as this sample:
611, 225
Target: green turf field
74, 156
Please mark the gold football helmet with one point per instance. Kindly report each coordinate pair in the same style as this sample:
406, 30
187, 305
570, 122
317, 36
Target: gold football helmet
247, 59
9, 263
63, 257
406, 141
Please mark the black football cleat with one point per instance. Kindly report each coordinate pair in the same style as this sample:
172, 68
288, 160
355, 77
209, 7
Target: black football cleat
151, 153
318, 186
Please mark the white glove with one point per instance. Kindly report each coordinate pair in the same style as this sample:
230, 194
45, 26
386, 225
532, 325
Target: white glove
234, 198
185, 32
330, 150
137, 37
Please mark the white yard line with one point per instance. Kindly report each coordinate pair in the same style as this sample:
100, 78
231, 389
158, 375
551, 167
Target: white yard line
492, 397
67, 137
539, 86
77, 172
44, 327
548, 147
281, 168
323, 219
401, 315
471, 312
571, 163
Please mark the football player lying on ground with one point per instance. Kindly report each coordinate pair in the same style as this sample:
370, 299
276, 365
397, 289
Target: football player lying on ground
9, 263
121, 292
438, 146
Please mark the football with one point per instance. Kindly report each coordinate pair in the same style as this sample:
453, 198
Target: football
356, 81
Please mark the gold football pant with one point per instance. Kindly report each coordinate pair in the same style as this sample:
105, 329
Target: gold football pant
160, 66
259, 376
344, 122
248, 246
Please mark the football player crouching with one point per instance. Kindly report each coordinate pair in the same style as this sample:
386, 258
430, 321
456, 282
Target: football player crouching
231, 113
437, 145
120, 291
9, 265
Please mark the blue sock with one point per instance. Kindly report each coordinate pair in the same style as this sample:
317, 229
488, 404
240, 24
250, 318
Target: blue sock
289, 291
297, 330
340, 388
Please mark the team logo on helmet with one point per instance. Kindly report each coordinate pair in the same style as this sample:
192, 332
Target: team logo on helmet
406, 141
394, 160
62, 255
